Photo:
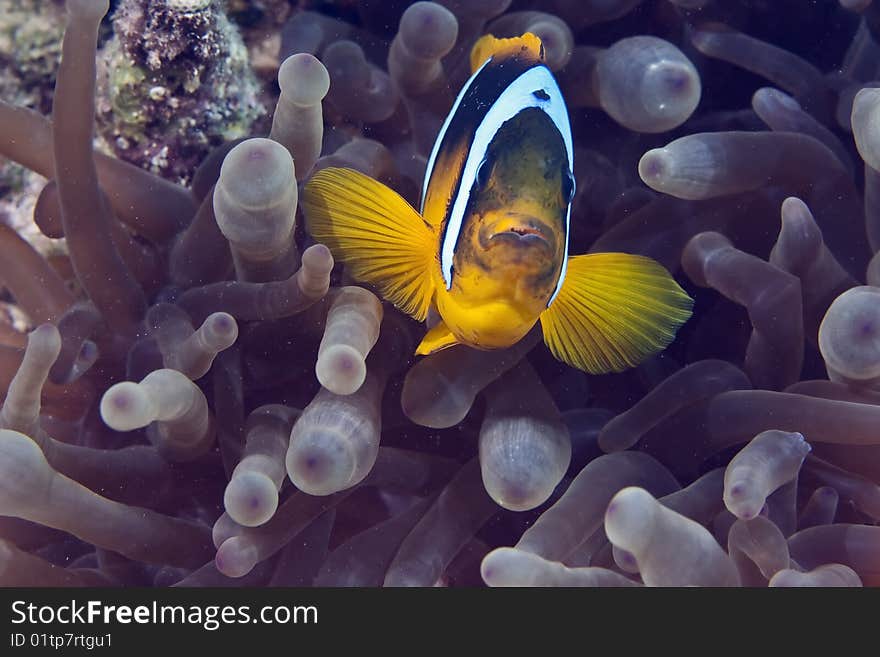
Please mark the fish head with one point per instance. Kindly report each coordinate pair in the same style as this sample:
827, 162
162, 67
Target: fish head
515, 224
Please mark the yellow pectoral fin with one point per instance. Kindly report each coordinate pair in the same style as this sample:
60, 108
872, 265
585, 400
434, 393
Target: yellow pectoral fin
439, 337
527, 46
381, 239
613, 311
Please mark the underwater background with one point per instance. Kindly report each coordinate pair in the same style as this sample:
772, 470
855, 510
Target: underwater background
196, 394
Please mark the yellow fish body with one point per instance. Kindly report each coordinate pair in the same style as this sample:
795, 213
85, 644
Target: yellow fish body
489, 247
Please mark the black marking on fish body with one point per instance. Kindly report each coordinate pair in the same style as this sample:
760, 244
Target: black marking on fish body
478, 97
540, 94
517, 101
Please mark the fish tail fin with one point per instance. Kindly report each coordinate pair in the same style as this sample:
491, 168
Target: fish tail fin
438, 338
613, 311
527, 46
381, 239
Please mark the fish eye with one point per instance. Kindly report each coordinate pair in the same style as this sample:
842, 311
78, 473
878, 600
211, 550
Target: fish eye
483, 172
568, 186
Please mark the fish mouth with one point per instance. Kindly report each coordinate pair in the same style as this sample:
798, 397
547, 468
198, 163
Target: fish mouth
518, 233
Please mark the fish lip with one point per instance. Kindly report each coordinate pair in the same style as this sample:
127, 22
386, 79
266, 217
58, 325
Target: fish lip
518, 239
520, 234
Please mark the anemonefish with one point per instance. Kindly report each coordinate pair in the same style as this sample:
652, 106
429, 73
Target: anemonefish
489, 247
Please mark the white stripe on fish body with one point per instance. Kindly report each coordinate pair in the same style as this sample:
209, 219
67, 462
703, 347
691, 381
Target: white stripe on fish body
519, 95
429, 169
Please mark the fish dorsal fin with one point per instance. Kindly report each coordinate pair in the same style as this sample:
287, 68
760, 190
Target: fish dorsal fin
381, 239
439, 337
613, 311
528, 47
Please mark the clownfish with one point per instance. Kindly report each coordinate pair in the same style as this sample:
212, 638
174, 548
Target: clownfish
488, 248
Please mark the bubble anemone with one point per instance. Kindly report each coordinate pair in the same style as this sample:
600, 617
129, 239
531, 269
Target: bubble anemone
195, 386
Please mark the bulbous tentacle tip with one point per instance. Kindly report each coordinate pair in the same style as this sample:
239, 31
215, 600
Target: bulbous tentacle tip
125, 407
21, 446
48, 338
437, 403
221, 329
25, 475
303, 79
794, 209
705, 36
251, 499
88, 9
627, 514
341, 369
429, 30
255, 174
864, 121
496, 565
236, 557
675, 86
318, 258
320, 462
849, 335
652, 167
768, 99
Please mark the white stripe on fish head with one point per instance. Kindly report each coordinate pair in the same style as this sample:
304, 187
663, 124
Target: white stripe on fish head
429, 169
519, 95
